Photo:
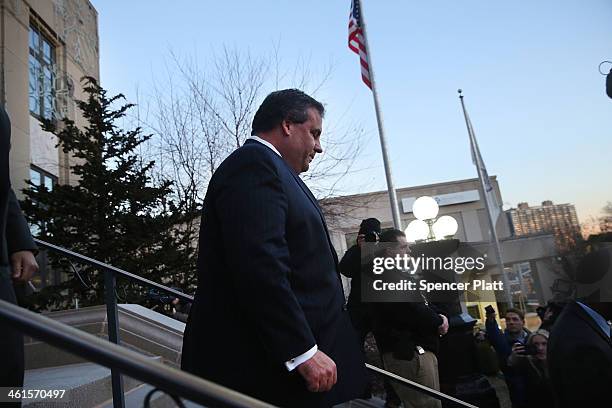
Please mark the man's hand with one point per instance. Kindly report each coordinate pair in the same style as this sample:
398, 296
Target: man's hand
24, 265
519, 349
319, 372
443, 328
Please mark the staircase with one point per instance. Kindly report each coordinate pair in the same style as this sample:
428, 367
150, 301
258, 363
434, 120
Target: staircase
88, 384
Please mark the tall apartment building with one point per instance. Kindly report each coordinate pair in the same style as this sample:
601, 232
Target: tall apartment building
559, 219
46, 47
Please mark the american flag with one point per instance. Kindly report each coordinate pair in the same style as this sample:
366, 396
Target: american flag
356, 41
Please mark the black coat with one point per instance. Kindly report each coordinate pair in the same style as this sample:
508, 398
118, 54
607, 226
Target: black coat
269, 287
14, 236
14, 231
580, 360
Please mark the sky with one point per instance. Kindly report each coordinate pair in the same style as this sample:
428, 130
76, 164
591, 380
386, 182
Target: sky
528, 70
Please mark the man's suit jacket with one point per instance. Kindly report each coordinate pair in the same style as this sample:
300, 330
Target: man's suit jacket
580, 360
14, 231
269, 288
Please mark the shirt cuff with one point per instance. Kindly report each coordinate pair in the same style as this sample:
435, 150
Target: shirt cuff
294, 362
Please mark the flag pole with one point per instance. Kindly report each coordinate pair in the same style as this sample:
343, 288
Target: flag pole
397, 221
483, 190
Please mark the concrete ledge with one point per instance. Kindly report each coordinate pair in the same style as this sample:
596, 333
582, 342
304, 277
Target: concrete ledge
141, 329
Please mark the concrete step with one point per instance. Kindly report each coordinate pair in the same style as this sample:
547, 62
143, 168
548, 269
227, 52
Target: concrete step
86, 385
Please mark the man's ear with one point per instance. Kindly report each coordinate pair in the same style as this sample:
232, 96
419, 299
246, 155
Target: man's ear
286, 127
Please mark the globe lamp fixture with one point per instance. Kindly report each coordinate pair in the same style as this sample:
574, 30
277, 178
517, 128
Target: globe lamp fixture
425, 208
426, 228
445, 227
417, 231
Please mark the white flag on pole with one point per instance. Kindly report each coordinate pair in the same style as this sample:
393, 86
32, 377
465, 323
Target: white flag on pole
489, 192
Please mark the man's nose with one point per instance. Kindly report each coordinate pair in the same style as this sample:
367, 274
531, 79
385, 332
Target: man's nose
318, 148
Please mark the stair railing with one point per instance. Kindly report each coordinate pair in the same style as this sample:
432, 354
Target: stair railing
110, 284
121, 359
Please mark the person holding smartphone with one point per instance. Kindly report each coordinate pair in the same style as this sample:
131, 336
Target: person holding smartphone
529, 362
502, 342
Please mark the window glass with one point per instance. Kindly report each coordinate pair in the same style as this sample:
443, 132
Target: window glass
34, 93
47, 52
33, 40
35, 177
41, 75
48, 183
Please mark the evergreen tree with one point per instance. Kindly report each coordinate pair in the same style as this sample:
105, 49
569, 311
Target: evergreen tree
115, 212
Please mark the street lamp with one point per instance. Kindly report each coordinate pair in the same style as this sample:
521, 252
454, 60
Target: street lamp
426, 228
434, 238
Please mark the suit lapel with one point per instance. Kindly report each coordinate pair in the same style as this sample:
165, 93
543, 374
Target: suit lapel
314, 202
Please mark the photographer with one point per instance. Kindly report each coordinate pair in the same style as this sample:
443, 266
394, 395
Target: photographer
170, 305
548, 314
350, 266
359, 312
529, 362
502, 343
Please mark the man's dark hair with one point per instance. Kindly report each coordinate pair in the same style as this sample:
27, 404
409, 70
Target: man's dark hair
287, 104
391, 235
517, 311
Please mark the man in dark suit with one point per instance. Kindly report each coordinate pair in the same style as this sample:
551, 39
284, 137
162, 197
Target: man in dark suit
580, 348
268, 318
17, 262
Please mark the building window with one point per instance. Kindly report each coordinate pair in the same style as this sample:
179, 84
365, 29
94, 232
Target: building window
41, 178
41, 75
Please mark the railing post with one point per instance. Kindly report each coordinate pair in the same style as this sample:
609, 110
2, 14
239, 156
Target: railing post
112, 317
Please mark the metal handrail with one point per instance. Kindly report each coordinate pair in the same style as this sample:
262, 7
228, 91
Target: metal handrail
113, 326
110, 268
420, 387
112, 313
129, 362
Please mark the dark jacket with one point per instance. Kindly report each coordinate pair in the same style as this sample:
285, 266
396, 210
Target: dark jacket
269, 287
580, 360
502, 343
350, 266
14, 230
538, 388
401, 323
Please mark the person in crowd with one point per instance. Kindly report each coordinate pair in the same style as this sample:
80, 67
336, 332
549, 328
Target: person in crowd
580, 347
502, 343
360, 312
269, 317
350, 266
485, 354
17, 262
529, 362
407, 330
548, 314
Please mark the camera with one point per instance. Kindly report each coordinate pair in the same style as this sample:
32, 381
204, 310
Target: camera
489, 309
530, 350
162, 298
